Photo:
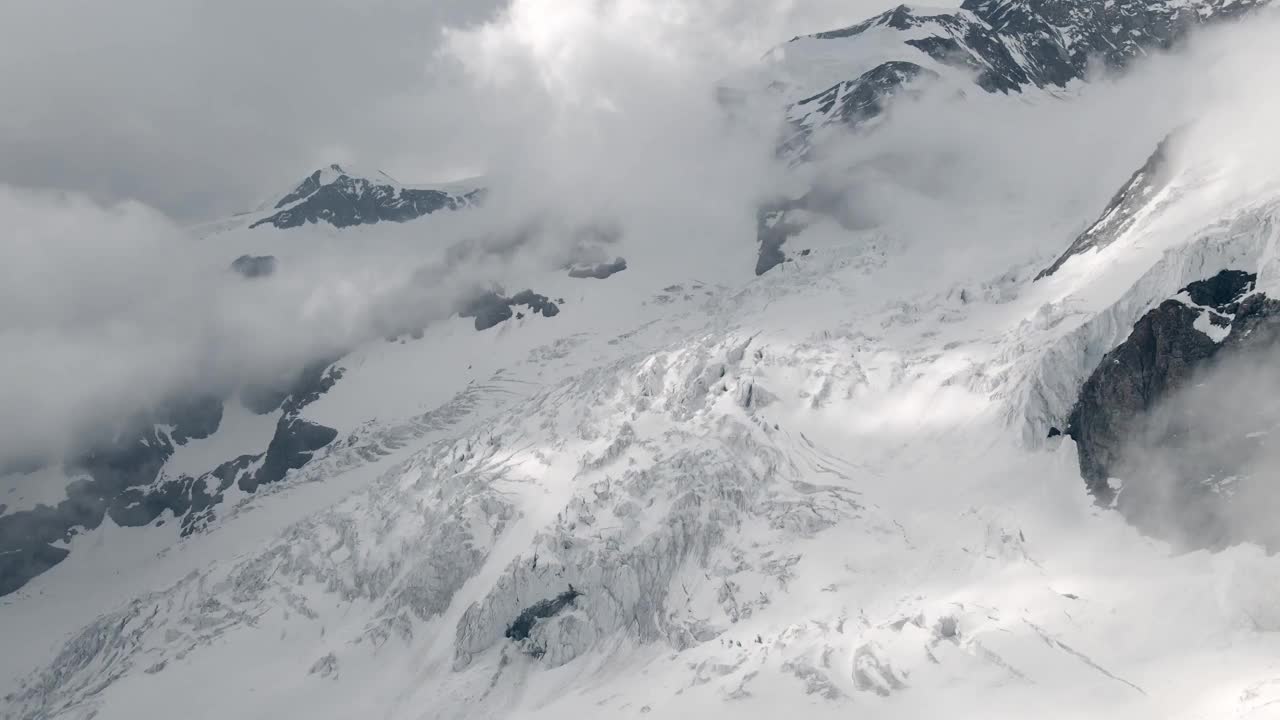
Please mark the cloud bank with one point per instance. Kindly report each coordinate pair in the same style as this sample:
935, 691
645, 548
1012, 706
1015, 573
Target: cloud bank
584, 114
200, 108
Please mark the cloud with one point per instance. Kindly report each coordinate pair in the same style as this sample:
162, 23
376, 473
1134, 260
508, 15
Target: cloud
588, 116
1201, 468
201, 108
198, 108
113, 309
997, 181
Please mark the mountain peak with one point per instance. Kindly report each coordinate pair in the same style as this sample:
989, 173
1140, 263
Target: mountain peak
1116, 31
1004, 46
342, 197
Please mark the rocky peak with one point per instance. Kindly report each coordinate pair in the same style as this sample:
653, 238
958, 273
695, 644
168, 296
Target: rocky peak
1115, 31
903, 17
1008, 46
341, 198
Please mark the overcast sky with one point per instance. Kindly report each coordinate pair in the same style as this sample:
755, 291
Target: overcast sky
123, 121
202, 108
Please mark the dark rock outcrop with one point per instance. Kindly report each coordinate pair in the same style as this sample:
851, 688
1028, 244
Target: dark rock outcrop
120, 477
1180, 414
520, 628
490, 308
1011, 45
1071, 33
774, 226
341, 199
22, 562
540, 304
598, 271
293, 444
855, 101
1160, 356
254, 266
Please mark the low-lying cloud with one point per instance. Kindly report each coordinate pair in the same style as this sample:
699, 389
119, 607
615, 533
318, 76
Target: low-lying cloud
1202, 469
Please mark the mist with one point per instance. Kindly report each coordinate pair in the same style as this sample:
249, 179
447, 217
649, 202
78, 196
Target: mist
580, 116
202, 109
1202, 468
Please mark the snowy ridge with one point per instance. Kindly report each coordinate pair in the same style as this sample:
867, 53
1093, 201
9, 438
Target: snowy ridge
1053, 384
342, 197
846, 76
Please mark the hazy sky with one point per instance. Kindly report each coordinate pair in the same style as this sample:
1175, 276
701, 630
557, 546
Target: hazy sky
201, 108
123, 121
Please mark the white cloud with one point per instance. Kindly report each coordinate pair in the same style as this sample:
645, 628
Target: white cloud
198, 108
584, 112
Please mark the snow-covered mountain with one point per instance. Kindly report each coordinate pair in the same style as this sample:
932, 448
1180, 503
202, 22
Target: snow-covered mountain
1002, 46
341, 197
181, 461
639, 487
848, 78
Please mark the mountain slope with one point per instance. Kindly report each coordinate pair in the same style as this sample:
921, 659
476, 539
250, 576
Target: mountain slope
335, 196
692, 492
848, 78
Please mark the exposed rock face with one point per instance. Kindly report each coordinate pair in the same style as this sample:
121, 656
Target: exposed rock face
855, 101
291, 447
1172, 414
254, 266
1116, 31
336, 197
122, 478
491, 308
1012, 45
109, 476
523, 627
775, 224
1161, 355
598, 271
780, 220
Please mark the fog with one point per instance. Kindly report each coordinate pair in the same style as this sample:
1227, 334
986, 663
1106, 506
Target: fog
1202, 467
585, 114
200, 109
